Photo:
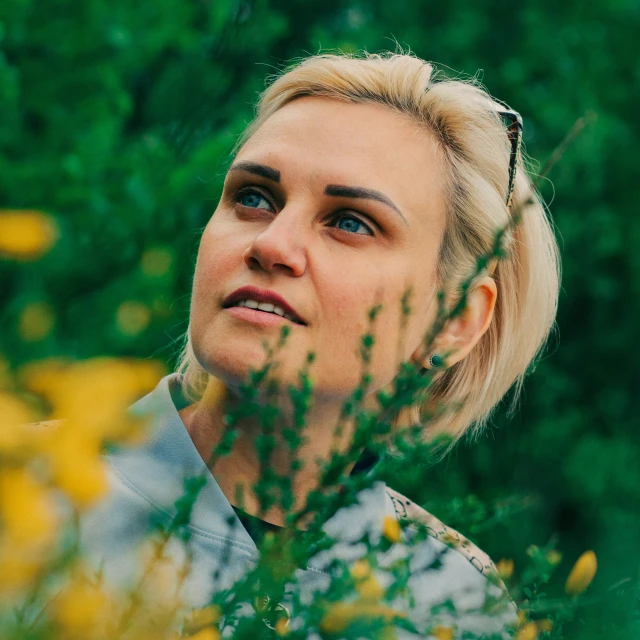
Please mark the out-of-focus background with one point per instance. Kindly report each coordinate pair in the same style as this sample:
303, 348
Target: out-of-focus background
117, 119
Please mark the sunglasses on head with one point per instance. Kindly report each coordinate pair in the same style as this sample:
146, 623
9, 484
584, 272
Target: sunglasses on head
514, 132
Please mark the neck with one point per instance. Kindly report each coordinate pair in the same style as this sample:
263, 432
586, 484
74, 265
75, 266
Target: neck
204, 421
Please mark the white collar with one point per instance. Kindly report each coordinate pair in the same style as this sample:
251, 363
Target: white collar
157, 469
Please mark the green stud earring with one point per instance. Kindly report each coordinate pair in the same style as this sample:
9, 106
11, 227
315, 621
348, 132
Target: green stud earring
436, 361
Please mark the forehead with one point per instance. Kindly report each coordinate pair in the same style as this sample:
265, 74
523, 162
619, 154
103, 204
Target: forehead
321, 140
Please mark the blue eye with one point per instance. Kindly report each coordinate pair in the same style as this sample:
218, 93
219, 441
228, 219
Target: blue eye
252, 200
255, 200
354, 223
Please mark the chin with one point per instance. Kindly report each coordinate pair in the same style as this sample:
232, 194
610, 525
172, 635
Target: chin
232, 360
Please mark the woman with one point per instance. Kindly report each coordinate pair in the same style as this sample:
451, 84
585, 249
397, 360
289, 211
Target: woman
359, 179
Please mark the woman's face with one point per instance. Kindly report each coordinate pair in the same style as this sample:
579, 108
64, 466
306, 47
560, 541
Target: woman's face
335, 207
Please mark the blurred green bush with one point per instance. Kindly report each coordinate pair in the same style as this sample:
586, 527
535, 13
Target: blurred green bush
117, 119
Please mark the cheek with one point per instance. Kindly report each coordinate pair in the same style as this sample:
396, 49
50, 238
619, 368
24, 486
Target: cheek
347, 314
218, 256
349, 297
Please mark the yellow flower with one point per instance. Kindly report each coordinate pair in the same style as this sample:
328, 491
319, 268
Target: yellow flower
133, 317
544, 625
93, 396
19, 566
505, 568
369, 589
206, 634
82, 609
27, 510
366, 585
204, 617
360, 569
341, 614
36, 321
78, 469
26, 234
528, 632
14, 413
391, 529
441, 632
282, 626
582, 573
554, 557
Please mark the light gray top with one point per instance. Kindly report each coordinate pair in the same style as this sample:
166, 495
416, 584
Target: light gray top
145, 482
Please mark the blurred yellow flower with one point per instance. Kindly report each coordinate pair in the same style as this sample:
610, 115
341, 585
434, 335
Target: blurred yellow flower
133, 317
582, 573
93, 396
14, 412
36, 321
19, 567
440, 632
26, 234
27, 509
164, 577
528, 632
370, 588
341, 614
157, 261
43, 376
544, 625
83, 609
204, 617
206, 634
360, 569
366, 585
391, 529
78, 469
554, 557
505, 568
282, 626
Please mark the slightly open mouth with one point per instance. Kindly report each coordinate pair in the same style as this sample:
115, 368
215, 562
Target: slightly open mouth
268, 313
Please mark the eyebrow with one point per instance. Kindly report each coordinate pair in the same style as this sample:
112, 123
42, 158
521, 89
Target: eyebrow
331, 190
257, 169
361, 192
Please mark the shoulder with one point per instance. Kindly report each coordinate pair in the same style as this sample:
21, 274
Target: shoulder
411, 513
466, 579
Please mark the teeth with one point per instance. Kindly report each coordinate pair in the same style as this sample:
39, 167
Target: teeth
266, 306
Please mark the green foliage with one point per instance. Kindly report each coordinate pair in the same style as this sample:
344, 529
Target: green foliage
117, 118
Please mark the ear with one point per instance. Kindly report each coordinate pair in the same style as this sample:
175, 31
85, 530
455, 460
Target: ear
462, 333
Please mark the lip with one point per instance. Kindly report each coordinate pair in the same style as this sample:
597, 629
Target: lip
261, 295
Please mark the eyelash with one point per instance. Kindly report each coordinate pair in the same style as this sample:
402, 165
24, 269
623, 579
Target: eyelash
249, 191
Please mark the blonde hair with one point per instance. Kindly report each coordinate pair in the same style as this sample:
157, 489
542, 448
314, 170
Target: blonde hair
475, 150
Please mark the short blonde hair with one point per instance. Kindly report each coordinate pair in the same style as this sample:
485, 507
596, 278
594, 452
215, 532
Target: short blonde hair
476, 150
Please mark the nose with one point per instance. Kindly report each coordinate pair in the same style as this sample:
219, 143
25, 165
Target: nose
280, 245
